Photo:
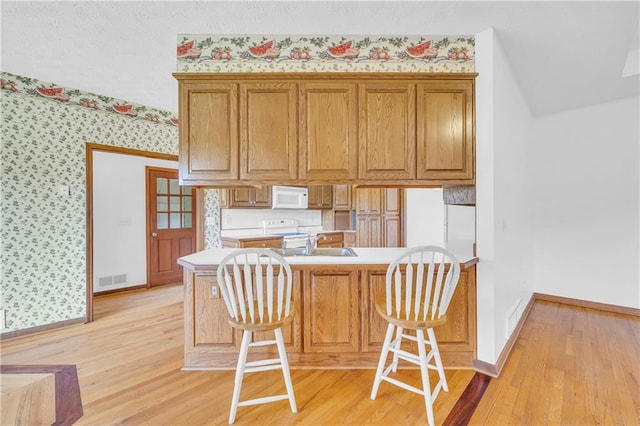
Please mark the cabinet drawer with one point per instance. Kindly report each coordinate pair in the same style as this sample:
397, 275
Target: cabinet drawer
271, 243
332, 240
231, 242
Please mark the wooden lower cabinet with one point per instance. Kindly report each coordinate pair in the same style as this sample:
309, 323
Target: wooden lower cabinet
211, 329
335, 325
456, 338
331, 311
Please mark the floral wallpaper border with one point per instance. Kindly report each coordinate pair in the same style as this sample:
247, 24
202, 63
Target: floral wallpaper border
31, 86
329, 53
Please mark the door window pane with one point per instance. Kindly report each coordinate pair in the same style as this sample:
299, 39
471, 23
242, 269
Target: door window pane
186, 190
162, 204
175, 204
161, 185
163, 221
174, 188
186, 204
186, 220
174, 221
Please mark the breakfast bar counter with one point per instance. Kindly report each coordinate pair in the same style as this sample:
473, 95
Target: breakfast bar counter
336, 325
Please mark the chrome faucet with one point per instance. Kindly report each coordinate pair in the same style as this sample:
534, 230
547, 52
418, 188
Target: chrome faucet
312, 242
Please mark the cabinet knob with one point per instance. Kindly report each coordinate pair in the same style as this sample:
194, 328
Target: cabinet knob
154, 234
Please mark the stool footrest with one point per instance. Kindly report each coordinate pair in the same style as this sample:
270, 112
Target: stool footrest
263, 365
262, 400
403, 385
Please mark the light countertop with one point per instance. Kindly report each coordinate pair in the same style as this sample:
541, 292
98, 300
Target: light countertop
208, 259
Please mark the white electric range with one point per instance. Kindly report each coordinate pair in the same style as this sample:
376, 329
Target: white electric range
293, 225
292, 234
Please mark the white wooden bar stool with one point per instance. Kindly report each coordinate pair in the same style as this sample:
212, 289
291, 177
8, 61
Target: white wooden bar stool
419, 287
256, 288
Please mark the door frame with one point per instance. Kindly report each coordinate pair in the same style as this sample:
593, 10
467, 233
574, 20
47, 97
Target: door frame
90, 148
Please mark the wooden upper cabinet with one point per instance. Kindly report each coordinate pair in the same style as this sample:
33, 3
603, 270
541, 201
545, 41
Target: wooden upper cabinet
208, 132
445, 130
392, 200
249, 198
268, 136
342, 197
369, 200
328, 130
320, 196
363, 129
387, 130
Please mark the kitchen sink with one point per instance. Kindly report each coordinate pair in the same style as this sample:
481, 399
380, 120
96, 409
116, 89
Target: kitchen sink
322, 251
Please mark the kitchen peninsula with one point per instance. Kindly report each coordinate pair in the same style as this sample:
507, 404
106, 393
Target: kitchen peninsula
336, 325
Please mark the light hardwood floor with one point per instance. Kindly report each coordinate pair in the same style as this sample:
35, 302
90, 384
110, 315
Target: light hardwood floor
570, 366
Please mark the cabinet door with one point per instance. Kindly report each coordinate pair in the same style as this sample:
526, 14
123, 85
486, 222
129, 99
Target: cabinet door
268, 137
211, 326
454, 335
291, 333
241, 197
249, 198
387, 131
342, 197
369, 231
392, 201
328, 131
331, 311
374, 326
392, 232
349, 239
445, 130
208, 132
262, 197
369, 200
320, 196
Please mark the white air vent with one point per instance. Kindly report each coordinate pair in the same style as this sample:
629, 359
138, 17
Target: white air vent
112, 280
120, 279
513, 317
105, 281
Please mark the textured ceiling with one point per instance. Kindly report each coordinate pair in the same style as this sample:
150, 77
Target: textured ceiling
564, 54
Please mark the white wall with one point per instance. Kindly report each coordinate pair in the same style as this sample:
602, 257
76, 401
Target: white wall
424, 214
585, 196
485, 281
512, 213
119, 217
502, 215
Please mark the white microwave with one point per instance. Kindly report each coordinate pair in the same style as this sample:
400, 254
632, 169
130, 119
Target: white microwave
289, 197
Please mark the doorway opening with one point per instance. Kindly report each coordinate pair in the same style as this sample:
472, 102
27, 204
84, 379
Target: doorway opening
123, 221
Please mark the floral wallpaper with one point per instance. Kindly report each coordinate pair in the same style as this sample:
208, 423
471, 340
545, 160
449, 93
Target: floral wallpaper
212, 218
11, 83
330, 53
43, 232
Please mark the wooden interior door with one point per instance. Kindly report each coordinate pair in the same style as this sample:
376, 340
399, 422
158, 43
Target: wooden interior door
171, 227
